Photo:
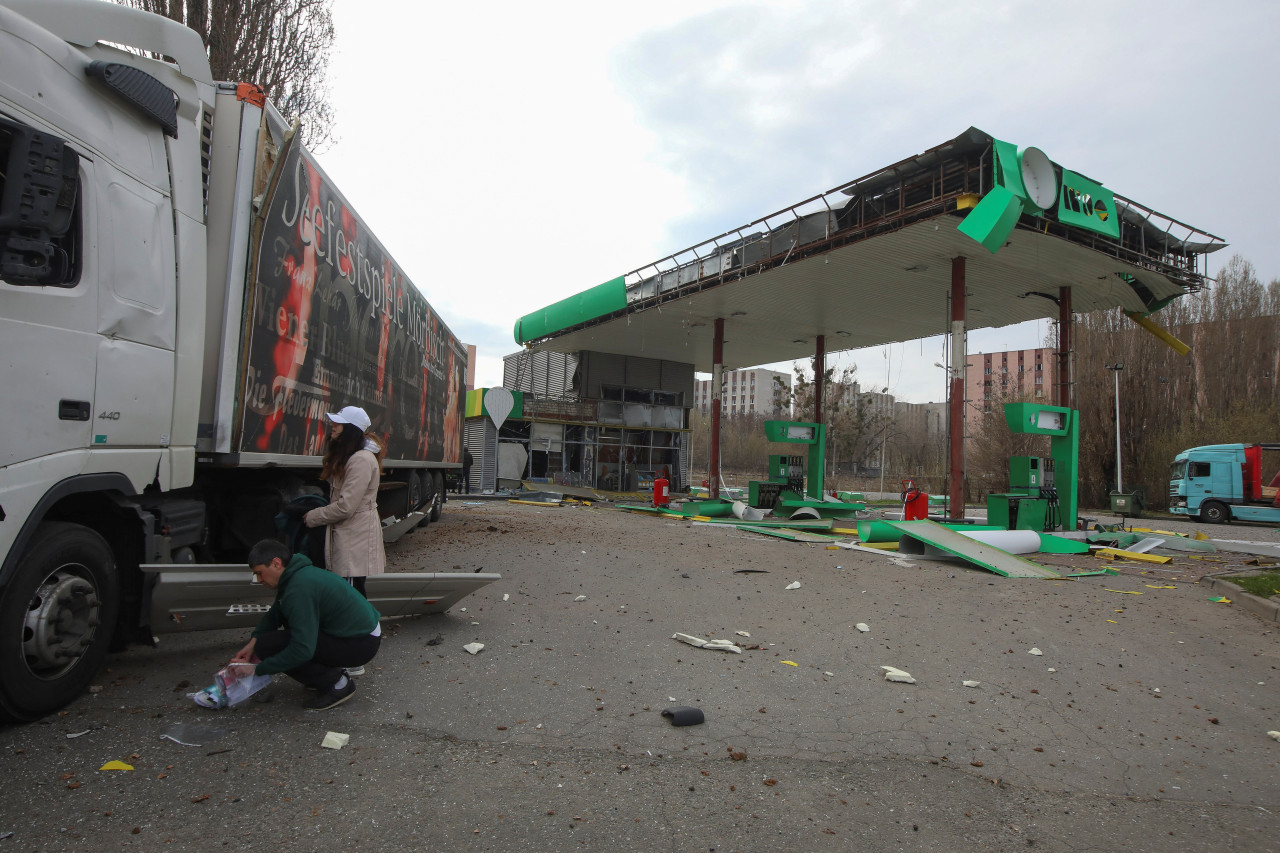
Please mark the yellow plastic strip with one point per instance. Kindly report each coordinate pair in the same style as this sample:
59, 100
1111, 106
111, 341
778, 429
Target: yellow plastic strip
1118, 554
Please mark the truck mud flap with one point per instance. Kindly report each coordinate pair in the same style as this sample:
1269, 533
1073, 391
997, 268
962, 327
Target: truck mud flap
209, 597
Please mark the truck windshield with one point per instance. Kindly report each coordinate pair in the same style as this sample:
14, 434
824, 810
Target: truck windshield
1178, 470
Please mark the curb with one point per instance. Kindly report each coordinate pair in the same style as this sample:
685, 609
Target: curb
1258, 606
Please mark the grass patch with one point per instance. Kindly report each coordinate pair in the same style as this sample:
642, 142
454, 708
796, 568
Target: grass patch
1265, 585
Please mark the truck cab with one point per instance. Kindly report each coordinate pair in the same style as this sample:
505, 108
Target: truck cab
1218, 483
183, 295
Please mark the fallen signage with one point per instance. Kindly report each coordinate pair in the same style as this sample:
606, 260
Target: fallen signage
916, 535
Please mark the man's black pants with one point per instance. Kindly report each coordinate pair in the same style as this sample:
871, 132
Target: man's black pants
333, 654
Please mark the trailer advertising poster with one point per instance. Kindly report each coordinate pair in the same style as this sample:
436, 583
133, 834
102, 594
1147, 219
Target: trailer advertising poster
333, 322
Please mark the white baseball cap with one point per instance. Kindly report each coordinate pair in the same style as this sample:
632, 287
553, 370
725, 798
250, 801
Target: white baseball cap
353, 415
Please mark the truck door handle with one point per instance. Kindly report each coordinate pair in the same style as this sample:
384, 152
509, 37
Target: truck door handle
73, 410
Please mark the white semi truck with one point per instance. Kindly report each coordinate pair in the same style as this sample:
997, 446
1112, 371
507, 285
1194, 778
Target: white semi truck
183, 295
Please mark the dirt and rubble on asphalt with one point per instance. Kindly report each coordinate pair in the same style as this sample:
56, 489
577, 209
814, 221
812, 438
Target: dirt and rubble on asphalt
1141, 723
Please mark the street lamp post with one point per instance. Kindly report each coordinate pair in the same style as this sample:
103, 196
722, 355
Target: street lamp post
1115, 369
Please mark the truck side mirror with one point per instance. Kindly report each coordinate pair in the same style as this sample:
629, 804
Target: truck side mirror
37, 205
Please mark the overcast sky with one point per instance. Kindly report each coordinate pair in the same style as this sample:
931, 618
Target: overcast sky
512, 154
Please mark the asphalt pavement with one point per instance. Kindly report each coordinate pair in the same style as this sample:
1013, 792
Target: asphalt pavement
1141, 723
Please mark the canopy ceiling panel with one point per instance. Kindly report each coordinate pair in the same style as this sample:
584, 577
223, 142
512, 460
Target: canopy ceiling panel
888, 288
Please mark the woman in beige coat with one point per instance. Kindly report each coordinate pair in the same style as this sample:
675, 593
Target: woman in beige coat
352, 465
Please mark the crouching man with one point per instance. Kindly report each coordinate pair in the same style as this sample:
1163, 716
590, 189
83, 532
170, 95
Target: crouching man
317, 628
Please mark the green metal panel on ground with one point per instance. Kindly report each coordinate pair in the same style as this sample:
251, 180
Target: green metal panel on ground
791, 534
1050, 544
984, 556
599, 301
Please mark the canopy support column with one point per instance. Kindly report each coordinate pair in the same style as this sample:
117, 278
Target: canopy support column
819, 377
955, 413
1064, 390
717, 377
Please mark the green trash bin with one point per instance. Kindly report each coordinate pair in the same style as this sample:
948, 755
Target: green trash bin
1126, 504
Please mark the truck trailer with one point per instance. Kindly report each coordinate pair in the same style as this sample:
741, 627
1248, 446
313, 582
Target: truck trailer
184, 294
1219, 483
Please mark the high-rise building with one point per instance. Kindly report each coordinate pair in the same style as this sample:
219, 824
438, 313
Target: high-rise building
995, 378
747, 392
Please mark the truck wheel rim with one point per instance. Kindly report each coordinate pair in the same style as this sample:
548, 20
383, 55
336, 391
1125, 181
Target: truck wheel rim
61, 620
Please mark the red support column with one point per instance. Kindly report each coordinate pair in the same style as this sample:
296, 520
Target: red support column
1064, 390
717, 375
955, 415
819, 377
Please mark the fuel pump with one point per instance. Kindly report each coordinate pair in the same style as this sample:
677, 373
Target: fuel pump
1042, 490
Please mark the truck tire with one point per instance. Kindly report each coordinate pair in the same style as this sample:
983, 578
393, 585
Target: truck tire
1213, 512
416, 492
437, 501
56, 619
426, 483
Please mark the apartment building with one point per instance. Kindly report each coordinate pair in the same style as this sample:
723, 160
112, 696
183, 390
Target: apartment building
994, 378
747, 392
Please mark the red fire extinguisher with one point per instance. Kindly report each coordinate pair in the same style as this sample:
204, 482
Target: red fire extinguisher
915, 503
661, 497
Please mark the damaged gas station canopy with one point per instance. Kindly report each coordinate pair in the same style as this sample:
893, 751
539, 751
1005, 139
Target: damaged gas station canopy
871, 262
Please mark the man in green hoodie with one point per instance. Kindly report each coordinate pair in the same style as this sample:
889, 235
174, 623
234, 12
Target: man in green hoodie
316, 629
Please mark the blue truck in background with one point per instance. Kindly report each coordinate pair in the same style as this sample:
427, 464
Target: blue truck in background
1219, 483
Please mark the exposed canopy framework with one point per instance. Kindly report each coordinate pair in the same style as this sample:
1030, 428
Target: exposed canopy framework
869, 263
974, 233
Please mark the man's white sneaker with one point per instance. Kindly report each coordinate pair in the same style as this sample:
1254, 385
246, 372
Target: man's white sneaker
354, 671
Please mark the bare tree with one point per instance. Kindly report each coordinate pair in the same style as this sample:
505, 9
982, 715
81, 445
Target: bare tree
855, 420
1226, 390
281, 45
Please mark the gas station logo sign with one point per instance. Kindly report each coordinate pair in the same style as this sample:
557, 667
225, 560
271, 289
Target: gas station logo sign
1086, 204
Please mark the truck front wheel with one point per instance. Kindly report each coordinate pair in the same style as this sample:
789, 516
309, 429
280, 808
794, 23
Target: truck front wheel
1213, 512
56, 618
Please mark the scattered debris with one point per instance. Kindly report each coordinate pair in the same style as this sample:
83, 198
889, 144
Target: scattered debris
436, 640
581, 598
793, 585
742, 633
790, 663
190, 734
1222, 599
474, 648
1274, 735
714, 645
863, 627
684, 715
78, 734
751, 571
829, 674
335, 740
892, 673
1035, 652
971, 683
1122, 591
506, 596
116, 765
1118, 554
